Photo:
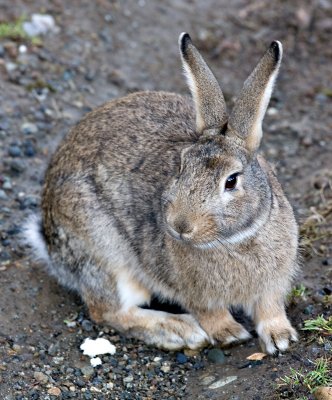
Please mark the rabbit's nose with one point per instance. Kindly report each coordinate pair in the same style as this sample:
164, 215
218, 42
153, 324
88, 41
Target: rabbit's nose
182, 227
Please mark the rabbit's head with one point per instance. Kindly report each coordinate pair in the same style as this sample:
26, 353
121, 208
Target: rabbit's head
221, 194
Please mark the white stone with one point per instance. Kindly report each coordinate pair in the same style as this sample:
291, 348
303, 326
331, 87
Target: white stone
95, 361
40, 24
95, 347
222, 382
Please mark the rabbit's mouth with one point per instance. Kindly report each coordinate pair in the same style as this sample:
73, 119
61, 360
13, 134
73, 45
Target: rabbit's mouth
188, 239
180, 237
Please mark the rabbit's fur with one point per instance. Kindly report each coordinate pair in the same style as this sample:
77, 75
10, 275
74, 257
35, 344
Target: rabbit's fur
136, 204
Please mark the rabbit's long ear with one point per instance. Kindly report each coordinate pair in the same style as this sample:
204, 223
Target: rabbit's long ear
247, 116
208, 98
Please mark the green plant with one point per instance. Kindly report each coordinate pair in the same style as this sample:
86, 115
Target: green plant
13, 30
298, 291
319, 376
319, 324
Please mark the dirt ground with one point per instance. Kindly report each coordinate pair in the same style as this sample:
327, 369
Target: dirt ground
105, 49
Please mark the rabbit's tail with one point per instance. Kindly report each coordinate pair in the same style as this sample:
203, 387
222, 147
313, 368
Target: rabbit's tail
32, 235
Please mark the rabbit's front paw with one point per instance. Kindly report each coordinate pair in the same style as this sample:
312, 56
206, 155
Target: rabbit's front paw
221, 326
231, 333
276, 334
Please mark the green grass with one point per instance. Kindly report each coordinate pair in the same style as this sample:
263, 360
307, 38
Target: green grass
319, 376
13, 30
319, 324
298, 291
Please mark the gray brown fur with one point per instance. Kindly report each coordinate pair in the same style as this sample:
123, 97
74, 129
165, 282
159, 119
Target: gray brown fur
133, 206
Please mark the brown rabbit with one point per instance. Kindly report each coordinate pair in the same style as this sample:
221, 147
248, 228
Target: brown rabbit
154, 194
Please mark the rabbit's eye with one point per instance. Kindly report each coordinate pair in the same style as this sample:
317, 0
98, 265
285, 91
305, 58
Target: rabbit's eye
231, 182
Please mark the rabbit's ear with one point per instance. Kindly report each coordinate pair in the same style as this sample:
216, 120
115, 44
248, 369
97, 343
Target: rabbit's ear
208, 98
247, 116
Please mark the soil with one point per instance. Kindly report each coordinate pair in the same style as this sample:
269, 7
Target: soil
108, 48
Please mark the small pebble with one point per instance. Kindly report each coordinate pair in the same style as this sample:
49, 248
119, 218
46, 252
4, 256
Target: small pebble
16, 347
57, 360
29, 151
14, 151
53, 349
328, 346
29, 128
3, 195
17, 165
308, 310
10, 67
165, 368
216, 356
128, 379
321, 98
89, 76
40, 377
54, 391
272, 111
7, 184
22, 49
222, 382
28, 202
88, 371
181, 358
207, 380
307, 141
87, 325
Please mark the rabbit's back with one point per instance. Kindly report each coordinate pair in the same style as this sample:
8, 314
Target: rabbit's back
108, 176
129, 134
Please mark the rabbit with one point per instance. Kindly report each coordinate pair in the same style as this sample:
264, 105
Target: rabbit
157, 194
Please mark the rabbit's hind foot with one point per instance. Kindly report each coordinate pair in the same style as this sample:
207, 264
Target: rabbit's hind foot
121, 310
156, 328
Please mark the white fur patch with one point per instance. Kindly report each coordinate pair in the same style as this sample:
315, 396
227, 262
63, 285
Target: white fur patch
265, 329
261, 326
246, 233
194, 92
244, 335
33, 237
261, 329
130, 292
229, 340
282, 344
239, 237
265, 99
